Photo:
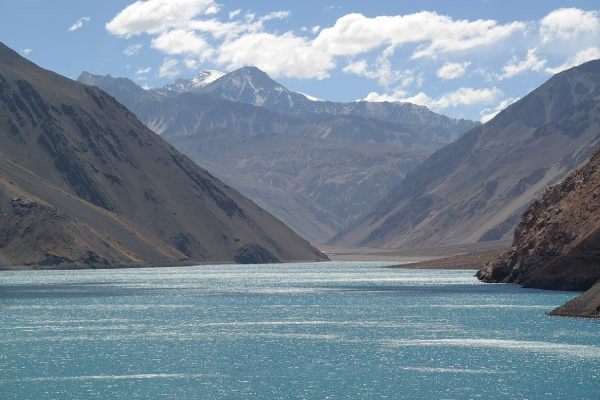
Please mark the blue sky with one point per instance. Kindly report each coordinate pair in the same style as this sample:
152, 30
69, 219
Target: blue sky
461, 58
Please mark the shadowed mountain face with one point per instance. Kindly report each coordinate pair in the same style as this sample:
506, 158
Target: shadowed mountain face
83, 182
317, 166
476, 188
557, 243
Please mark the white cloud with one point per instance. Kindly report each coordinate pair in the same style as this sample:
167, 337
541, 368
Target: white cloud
179, 41
214, 9
168, 68
190, 63
567, 23
489, 113
276, 15
221, 30
420, 99
156, 16
351, 35
143, 71
467, 96
381, 97
133, 49
382, 71
238, 40
360, 67
354, 34
233, 29
79, 24
26, 51
463, 96
278, 55
530, 63
450, 71
589, 54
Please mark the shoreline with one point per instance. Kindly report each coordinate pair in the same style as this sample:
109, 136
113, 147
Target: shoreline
475, 261
78, 267
462, 256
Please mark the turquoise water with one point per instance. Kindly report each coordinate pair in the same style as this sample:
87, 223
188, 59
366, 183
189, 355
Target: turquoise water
291, 331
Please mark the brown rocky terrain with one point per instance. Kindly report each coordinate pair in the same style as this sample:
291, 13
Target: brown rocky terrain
587, 305
84, 183
476, 189
557, 243
474, 260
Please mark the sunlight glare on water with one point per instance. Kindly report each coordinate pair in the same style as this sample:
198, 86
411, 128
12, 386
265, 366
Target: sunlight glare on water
307, 331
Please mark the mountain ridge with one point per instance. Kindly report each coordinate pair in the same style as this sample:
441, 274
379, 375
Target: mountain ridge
98, 188
253, 86
329, 167
476, 188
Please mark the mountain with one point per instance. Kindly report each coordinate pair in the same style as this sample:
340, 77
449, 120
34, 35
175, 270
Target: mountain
557, 242
476, 188
253, 86
84, 183
315, 171
202, 79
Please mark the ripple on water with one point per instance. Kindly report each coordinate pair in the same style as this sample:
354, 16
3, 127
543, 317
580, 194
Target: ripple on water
337, 330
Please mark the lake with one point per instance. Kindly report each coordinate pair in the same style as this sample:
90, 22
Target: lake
337, 330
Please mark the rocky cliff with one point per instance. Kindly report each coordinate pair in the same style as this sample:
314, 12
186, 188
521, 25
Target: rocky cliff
557, 242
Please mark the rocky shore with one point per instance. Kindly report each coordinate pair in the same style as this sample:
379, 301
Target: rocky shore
557, 243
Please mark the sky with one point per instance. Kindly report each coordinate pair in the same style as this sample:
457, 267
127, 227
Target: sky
466, 59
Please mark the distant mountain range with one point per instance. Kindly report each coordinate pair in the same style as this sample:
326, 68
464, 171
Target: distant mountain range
316, 165
476, 188
83, 183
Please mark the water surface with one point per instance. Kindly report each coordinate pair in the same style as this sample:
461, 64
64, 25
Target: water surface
291, 331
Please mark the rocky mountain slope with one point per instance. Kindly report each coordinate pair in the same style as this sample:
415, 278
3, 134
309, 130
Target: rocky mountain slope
557, 243
315, 170
476, 188
84, 183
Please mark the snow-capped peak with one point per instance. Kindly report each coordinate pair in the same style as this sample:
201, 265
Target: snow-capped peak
308, 96
202, 79
205, 77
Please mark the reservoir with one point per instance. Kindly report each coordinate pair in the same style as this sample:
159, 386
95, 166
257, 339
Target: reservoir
336, 330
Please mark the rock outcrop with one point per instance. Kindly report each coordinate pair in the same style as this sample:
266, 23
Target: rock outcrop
557, 243
586, 306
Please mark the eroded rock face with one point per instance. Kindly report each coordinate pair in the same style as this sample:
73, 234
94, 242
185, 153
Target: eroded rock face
557, 243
